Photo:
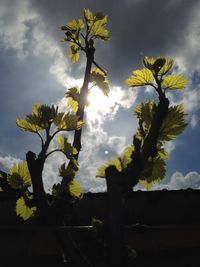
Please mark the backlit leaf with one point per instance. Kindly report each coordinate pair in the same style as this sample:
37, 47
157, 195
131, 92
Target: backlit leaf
145, 113
73, 25
99, 78
42, 115
154, 170
88, 16
173, 124
70, 122
126, 157
73, 96
174, 81
66, 147
72, 104
98, 30
73, 92
19, 176
162, 64
147, 185
24, 211
75, 189
39, 119
58, 118
70, 171
140, 78
114, 162
74, 52
26, 126
163, 154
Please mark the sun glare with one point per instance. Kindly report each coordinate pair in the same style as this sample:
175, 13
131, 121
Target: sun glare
99, 104
103, 107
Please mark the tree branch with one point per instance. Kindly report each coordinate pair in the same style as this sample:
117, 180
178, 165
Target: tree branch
97, 65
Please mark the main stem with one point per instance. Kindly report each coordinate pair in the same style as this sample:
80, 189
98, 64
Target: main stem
118, 182
83, 98
89, 50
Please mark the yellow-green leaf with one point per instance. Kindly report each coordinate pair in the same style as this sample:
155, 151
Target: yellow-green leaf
99, 78
140, 78
42, 115
23, 211
75, 189
98, 29
66, 147
174, 81
70, 122
88, 15
73, 96
126, 157
159, 65
147, 185
73, 92
74, 52
145, 113
166, 67
39, 119
27, 126
70, 171
19, 176
114, 162
73, 25
154, 170
72, 104
163, 154
58, 118
173, 124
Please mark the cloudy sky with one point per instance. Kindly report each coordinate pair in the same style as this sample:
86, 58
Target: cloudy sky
34, 67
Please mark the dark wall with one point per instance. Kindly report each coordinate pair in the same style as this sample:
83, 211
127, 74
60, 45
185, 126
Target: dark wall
151, 208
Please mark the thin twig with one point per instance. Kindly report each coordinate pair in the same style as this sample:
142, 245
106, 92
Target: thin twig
97, 65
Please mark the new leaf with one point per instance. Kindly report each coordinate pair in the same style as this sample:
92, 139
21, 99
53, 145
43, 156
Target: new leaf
66, 147
173, 124
98, 30
99, 78
24, 211
174, 81
19, 176
154, 170
75, 189
114, 162
140, 78
74, 52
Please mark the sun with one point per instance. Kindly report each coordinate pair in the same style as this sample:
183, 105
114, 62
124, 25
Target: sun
102, 107
98, 105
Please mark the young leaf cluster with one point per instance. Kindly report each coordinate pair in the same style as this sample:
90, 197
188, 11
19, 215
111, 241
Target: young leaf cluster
82, 33
153, 74
46, 122
159, 128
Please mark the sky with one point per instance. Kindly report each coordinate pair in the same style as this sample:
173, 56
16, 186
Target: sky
34, 67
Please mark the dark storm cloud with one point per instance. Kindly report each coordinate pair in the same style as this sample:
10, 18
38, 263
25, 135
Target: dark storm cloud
137, 28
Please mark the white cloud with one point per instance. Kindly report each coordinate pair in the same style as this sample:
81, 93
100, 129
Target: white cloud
93, 156
194, 121
23, 30
170, 146
14, 27
8, 161
179, 181
188, 55
103, 107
